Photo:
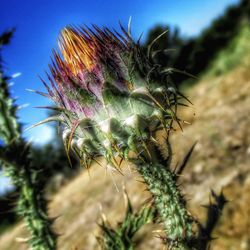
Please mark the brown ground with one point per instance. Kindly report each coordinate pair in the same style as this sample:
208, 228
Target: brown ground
221, 159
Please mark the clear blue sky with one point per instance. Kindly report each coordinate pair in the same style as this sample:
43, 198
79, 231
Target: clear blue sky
39, 22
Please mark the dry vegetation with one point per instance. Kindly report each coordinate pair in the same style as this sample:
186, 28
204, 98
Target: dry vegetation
220, 160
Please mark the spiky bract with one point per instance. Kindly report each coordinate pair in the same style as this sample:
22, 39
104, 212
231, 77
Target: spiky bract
111, 97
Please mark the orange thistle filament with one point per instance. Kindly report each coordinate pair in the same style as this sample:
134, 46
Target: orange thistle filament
78, 51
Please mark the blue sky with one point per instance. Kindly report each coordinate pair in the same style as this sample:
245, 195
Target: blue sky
39, 22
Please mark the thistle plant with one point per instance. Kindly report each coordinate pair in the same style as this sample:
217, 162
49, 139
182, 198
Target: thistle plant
17, 164
115, 102
121, 237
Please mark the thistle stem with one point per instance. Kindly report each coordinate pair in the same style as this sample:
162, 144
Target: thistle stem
31, 204
170, 204
32, 207
15, 159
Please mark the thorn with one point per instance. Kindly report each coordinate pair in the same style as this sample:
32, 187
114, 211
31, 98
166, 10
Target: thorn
149, 201
22, 240
141, 181
75, 125
158, 231
112, 177
50, 119
129, 26
185, 160
103, 216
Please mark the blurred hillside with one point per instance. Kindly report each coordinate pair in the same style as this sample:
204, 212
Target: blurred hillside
220, 161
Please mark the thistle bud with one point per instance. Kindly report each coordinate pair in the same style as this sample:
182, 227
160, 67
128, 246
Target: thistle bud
93, 81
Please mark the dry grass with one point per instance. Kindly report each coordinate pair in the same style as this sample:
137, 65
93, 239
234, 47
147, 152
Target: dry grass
221, 160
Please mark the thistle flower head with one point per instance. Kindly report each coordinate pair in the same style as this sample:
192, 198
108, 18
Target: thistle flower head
110, 96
